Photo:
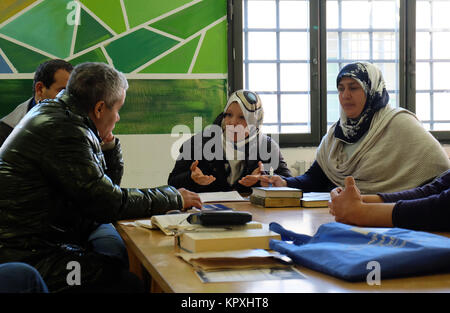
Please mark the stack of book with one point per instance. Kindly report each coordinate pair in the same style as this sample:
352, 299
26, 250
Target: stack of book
276, 197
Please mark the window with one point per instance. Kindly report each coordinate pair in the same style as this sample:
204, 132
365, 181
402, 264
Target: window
276, 62
433, 64
291, 51
361, 31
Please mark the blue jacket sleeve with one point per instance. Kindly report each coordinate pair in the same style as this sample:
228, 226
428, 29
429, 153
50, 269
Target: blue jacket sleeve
422, 208
431, 213
314, 180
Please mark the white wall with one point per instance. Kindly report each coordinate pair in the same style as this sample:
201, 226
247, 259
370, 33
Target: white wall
148, 158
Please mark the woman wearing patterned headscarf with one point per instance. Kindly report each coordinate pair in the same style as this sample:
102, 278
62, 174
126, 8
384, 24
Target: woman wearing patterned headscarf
385, 149
232, 153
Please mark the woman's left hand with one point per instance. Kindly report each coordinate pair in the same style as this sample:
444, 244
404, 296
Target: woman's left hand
253, 178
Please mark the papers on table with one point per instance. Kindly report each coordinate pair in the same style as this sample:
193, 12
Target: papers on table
222, 196
250, 275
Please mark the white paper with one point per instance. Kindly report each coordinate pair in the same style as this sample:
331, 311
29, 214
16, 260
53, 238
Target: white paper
222, 196
249, 275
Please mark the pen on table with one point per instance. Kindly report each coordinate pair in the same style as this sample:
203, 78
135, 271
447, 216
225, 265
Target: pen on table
270, 175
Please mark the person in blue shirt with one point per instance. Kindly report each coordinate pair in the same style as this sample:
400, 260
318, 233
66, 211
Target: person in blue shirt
422, 208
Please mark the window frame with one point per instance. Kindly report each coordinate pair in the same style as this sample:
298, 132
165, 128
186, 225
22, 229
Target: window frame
318, 67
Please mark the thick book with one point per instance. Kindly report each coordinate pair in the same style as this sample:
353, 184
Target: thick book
277, 192
226, 240
275, 202
315, 199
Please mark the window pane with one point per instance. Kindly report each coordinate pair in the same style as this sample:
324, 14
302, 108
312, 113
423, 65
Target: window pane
261, 14
332, 107
440, 76
441, 45
332, 45
384, 46
294, 77
422, 45
390, 73
355, 46
440, 16
423, 20
270, 108
423, 106
332, 14
386, 9
422, 76
442, 107
262, 77
355, 14
432, 38
295, 109
294, 14
292, 46
262, 46
332, 72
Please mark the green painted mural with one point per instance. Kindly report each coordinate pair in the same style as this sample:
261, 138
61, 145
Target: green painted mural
173, 52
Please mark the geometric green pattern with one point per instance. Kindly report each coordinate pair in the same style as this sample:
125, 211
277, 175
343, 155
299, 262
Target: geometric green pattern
141, 11
137, 48
44, 27
89, 32
110, 14
92, 56
151, 41
177, 61
133, 33
213, 50
204, 13
23, 59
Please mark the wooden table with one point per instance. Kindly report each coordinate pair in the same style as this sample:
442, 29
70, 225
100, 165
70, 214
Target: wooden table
154, 251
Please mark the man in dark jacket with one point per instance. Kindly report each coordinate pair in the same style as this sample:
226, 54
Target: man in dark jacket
54, 187
49, 79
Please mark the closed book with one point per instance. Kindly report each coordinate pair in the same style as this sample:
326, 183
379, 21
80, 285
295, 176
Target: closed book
226, 240
278, 192
315, 199
272, 202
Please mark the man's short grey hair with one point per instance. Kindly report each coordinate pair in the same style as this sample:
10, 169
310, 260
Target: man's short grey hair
92, 82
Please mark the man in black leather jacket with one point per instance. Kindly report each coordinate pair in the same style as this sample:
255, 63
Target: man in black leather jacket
54, 187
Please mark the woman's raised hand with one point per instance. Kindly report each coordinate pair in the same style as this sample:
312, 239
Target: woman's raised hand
198, 176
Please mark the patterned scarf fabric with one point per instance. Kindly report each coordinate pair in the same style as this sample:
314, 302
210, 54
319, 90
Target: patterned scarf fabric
237, 152
350, 130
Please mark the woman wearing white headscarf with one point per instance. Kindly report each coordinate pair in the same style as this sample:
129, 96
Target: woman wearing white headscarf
385, 149
232, 153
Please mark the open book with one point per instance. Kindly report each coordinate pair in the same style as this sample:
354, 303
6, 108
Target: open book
171, 224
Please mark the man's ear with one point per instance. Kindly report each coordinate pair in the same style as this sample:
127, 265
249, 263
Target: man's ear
99, 108
38, 91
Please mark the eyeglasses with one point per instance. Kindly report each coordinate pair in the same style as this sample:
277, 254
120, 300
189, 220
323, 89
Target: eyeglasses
249, 99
